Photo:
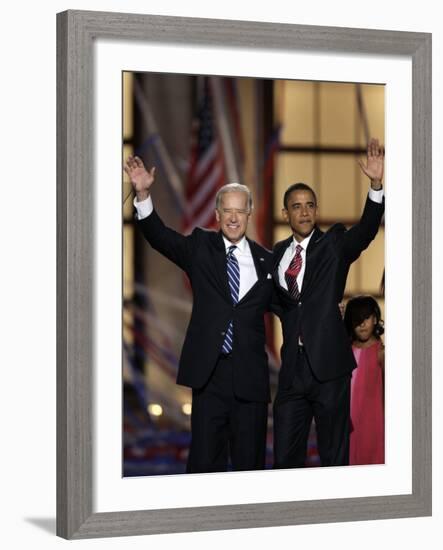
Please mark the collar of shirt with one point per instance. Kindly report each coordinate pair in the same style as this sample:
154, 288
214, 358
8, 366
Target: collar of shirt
242, 245
304, 243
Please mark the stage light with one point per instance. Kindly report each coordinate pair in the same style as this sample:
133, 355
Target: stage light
187, 408
155, 409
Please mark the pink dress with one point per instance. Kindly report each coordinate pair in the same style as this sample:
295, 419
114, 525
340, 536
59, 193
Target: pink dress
367, 439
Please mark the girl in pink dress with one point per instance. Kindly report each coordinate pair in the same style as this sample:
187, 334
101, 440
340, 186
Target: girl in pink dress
365, 327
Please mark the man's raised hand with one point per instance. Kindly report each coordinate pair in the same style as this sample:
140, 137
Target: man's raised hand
141, 179
375, 161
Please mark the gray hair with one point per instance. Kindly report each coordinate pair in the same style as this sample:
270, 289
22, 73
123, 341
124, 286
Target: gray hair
230, 188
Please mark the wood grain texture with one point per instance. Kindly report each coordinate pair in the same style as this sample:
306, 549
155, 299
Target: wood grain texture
422, 272
76, 32
74, 281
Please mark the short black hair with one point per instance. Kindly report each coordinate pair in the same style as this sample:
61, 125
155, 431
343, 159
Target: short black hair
300, 186
360, 308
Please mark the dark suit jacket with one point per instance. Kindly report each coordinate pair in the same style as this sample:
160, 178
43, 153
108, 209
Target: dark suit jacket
202, 255
316, 315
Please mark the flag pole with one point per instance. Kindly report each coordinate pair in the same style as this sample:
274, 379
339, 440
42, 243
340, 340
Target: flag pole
160, 148
233, 171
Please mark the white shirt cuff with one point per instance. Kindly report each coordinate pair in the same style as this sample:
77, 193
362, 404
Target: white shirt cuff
144, 208
376, 196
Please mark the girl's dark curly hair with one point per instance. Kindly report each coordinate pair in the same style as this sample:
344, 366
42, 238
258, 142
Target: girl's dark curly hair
360, 308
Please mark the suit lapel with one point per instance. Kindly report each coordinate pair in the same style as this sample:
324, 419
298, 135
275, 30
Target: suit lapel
260, 267
278, 255
220, 267
259, 260
310, 260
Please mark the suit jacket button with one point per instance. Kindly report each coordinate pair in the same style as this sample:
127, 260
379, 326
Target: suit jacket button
299, 304
223, 333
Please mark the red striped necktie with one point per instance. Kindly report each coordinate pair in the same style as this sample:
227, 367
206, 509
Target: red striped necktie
292, 272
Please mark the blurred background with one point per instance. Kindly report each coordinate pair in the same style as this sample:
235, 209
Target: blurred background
202, 132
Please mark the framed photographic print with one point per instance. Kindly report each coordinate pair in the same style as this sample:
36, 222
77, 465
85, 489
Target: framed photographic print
203, 131
101, 55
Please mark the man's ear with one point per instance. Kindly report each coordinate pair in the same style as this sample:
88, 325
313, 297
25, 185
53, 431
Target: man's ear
217, 215
285, 214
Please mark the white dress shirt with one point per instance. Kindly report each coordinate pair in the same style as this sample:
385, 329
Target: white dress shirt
248, 273
144, 208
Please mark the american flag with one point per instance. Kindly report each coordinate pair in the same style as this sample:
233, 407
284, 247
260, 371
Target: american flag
207, 171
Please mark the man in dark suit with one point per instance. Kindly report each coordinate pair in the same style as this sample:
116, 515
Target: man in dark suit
310, 274
223, 358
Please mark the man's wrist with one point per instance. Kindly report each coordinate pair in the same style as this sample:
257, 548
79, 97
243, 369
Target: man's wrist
142, 195
376, 185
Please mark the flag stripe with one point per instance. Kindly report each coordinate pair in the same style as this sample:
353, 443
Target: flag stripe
207, 171
205, 190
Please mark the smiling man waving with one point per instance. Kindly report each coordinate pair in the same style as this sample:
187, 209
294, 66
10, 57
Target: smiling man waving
223, 357
311, 268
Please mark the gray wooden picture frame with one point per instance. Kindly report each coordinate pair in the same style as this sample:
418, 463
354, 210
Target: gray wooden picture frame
76, 32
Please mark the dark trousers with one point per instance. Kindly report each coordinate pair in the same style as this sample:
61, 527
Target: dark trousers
224, 425
327, 402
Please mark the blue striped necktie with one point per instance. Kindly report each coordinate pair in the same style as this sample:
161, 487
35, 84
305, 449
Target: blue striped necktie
234, 285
